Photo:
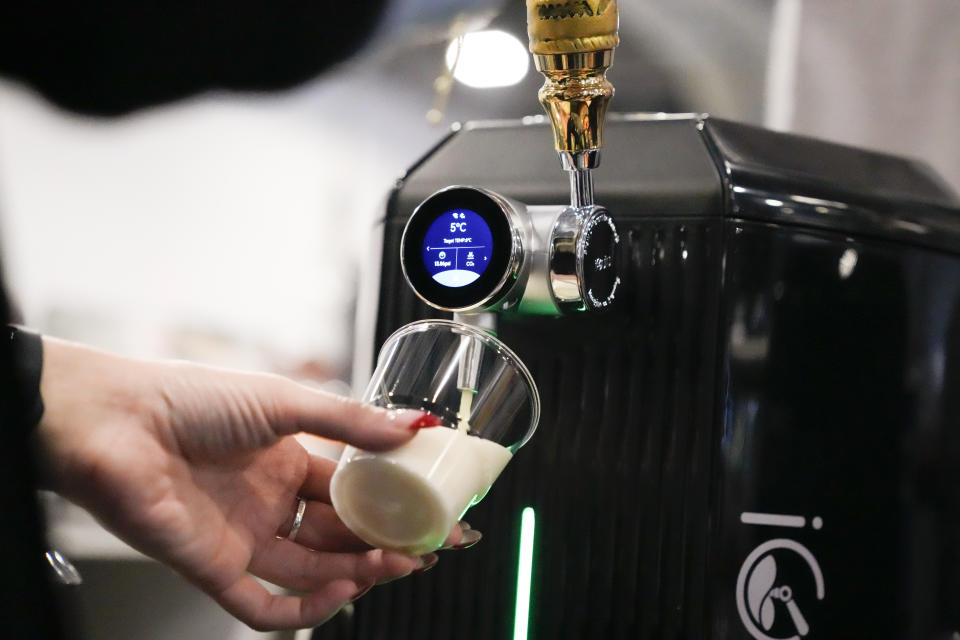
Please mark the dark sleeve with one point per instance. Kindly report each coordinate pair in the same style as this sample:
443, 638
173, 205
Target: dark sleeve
29, 605
112, 57
26, 357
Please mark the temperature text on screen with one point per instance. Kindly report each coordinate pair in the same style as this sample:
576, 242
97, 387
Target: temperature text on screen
457, 247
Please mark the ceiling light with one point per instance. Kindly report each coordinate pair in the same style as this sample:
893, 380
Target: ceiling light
488, 59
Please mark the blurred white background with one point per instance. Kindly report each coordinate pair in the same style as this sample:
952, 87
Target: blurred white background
223, 228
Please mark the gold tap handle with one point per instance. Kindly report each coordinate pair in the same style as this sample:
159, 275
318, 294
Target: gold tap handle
572, 42
572, 26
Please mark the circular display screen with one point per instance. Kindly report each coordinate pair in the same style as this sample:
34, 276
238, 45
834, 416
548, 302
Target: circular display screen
457, 247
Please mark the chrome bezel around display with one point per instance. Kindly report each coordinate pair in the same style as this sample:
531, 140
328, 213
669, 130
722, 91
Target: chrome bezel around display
500, 277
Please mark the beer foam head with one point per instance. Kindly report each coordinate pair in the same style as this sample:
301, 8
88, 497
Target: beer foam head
572, 26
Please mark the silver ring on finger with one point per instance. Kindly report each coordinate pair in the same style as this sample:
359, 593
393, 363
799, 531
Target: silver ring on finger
297, 519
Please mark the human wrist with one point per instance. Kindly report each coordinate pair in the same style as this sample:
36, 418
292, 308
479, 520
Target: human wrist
91, 397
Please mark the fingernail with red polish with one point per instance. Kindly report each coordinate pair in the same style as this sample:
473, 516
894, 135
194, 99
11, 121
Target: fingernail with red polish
425, 421
470, 538
362, 592
426, 563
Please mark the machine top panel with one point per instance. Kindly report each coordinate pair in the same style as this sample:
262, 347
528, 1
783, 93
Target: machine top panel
800, 181
656, 170
700, 167
867, 175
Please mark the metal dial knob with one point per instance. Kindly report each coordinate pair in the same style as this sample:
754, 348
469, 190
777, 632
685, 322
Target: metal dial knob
583, 259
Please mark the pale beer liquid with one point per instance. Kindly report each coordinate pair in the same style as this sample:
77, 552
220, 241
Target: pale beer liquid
466, 402
409, 498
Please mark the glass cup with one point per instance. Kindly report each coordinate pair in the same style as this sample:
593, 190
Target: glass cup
409, 498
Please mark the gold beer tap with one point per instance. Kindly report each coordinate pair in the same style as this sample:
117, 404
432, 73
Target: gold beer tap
572, 42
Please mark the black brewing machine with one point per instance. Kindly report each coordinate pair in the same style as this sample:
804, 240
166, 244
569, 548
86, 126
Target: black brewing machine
748, 357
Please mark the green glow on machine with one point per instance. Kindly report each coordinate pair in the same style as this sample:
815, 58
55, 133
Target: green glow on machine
528, 523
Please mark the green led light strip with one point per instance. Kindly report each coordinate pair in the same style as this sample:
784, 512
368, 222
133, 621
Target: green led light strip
528, 523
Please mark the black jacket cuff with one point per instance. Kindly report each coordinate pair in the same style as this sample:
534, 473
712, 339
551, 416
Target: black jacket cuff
26, 351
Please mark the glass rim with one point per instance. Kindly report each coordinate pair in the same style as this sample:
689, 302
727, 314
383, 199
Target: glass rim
490, 341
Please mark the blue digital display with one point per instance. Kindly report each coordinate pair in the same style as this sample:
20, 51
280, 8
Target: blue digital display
457, 247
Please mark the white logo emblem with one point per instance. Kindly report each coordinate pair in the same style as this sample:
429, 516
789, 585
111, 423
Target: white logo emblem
778, 580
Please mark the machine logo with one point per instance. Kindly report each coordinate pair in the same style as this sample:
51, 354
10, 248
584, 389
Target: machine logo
778, 581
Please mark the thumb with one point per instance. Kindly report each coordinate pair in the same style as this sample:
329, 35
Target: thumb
299, 408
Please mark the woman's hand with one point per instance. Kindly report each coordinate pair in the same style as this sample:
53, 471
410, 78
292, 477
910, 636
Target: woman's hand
198, 468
